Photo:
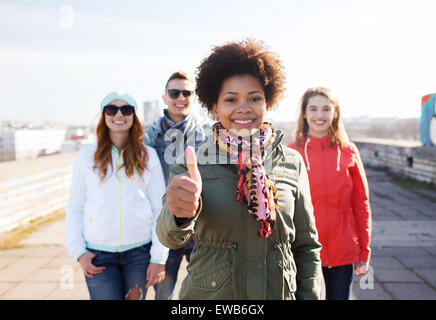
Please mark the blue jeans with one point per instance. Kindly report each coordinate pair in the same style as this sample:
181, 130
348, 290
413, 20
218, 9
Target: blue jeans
124, 271
165, 289
338, 282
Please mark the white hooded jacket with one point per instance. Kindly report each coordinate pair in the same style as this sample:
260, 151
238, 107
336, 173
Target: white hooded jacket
117, 214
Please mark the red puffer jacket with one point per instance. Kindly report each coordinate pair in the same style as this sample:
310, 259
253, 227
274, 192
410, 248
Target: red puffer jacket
340, 197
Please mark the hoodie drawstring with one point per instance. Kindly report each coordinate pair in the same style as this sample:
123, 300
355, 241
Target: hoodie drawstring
305, 153
338, 167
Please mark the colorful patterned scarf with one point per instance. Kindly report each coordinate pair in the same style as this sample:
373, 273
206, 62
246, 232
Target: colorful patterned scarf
254, 188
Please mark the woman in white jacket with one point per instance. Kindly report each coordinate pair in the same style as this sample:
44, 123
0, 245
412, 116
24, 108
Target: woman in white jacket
114, 201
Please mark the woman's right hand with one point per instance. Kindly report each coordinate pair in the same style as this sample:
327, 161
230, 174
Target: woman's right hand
89, 269
183, 192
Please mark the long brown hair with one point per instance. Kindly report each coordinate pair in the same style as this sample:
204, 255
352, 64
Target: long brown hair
337, 132
135, 155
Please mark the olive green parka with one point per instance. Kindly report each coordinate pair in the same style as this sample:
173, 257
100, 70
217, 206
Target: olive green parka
230, 260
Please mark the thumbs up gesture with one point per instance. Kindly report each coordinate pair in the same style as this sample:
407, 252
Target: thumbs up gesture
183, 192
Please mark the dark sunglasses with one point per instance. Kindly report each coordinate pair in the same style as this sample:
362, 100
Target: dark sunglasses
112, 110
174, 93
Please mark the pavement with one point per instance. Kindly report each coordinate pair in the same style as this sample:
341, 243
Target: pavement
402, 263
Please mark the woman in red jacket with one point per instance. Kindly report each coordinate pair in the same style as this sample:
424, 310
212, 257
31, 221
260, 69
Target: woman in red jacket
339, 191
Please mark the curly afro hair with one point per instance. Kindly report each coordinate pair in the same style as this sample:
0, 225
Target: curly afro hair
245, 57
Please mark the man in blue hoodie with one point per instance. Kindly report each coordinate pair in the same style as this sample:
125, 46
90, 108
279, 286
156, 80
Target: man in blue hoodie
170, 135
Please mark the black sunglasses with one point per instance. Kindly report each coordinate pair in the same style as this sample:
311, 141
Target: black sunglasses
112, 110
174, 93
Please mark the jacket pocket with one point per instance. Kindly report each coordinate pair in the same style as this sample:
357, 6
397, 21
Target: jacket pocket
214, 277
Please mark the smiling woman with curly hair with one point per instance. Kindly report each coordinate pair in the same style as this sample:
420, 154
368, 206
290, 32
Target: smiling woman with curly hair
245, 57
250, 215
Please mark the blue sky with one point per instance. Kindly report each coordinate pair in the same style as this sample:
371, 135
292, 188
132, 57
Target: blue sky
59, 58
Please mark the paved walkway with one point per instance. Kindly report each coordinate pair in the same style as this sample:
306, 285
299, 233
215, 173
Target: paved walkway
403, 243
43, 270
403, 259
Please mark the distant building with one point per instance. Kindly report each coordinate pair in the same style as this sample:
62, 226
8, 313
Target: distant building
75, 133
152, 112
73, 145
7, 146
30, 143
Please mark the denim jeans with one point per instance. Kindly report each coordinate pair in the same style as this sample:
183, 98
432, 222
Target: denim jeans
338, 282
165, 289
124, 271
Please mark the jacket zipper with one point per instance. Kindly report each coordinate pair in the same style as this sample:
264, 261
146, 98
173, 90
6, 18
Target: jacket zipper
119, 194
325, 200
